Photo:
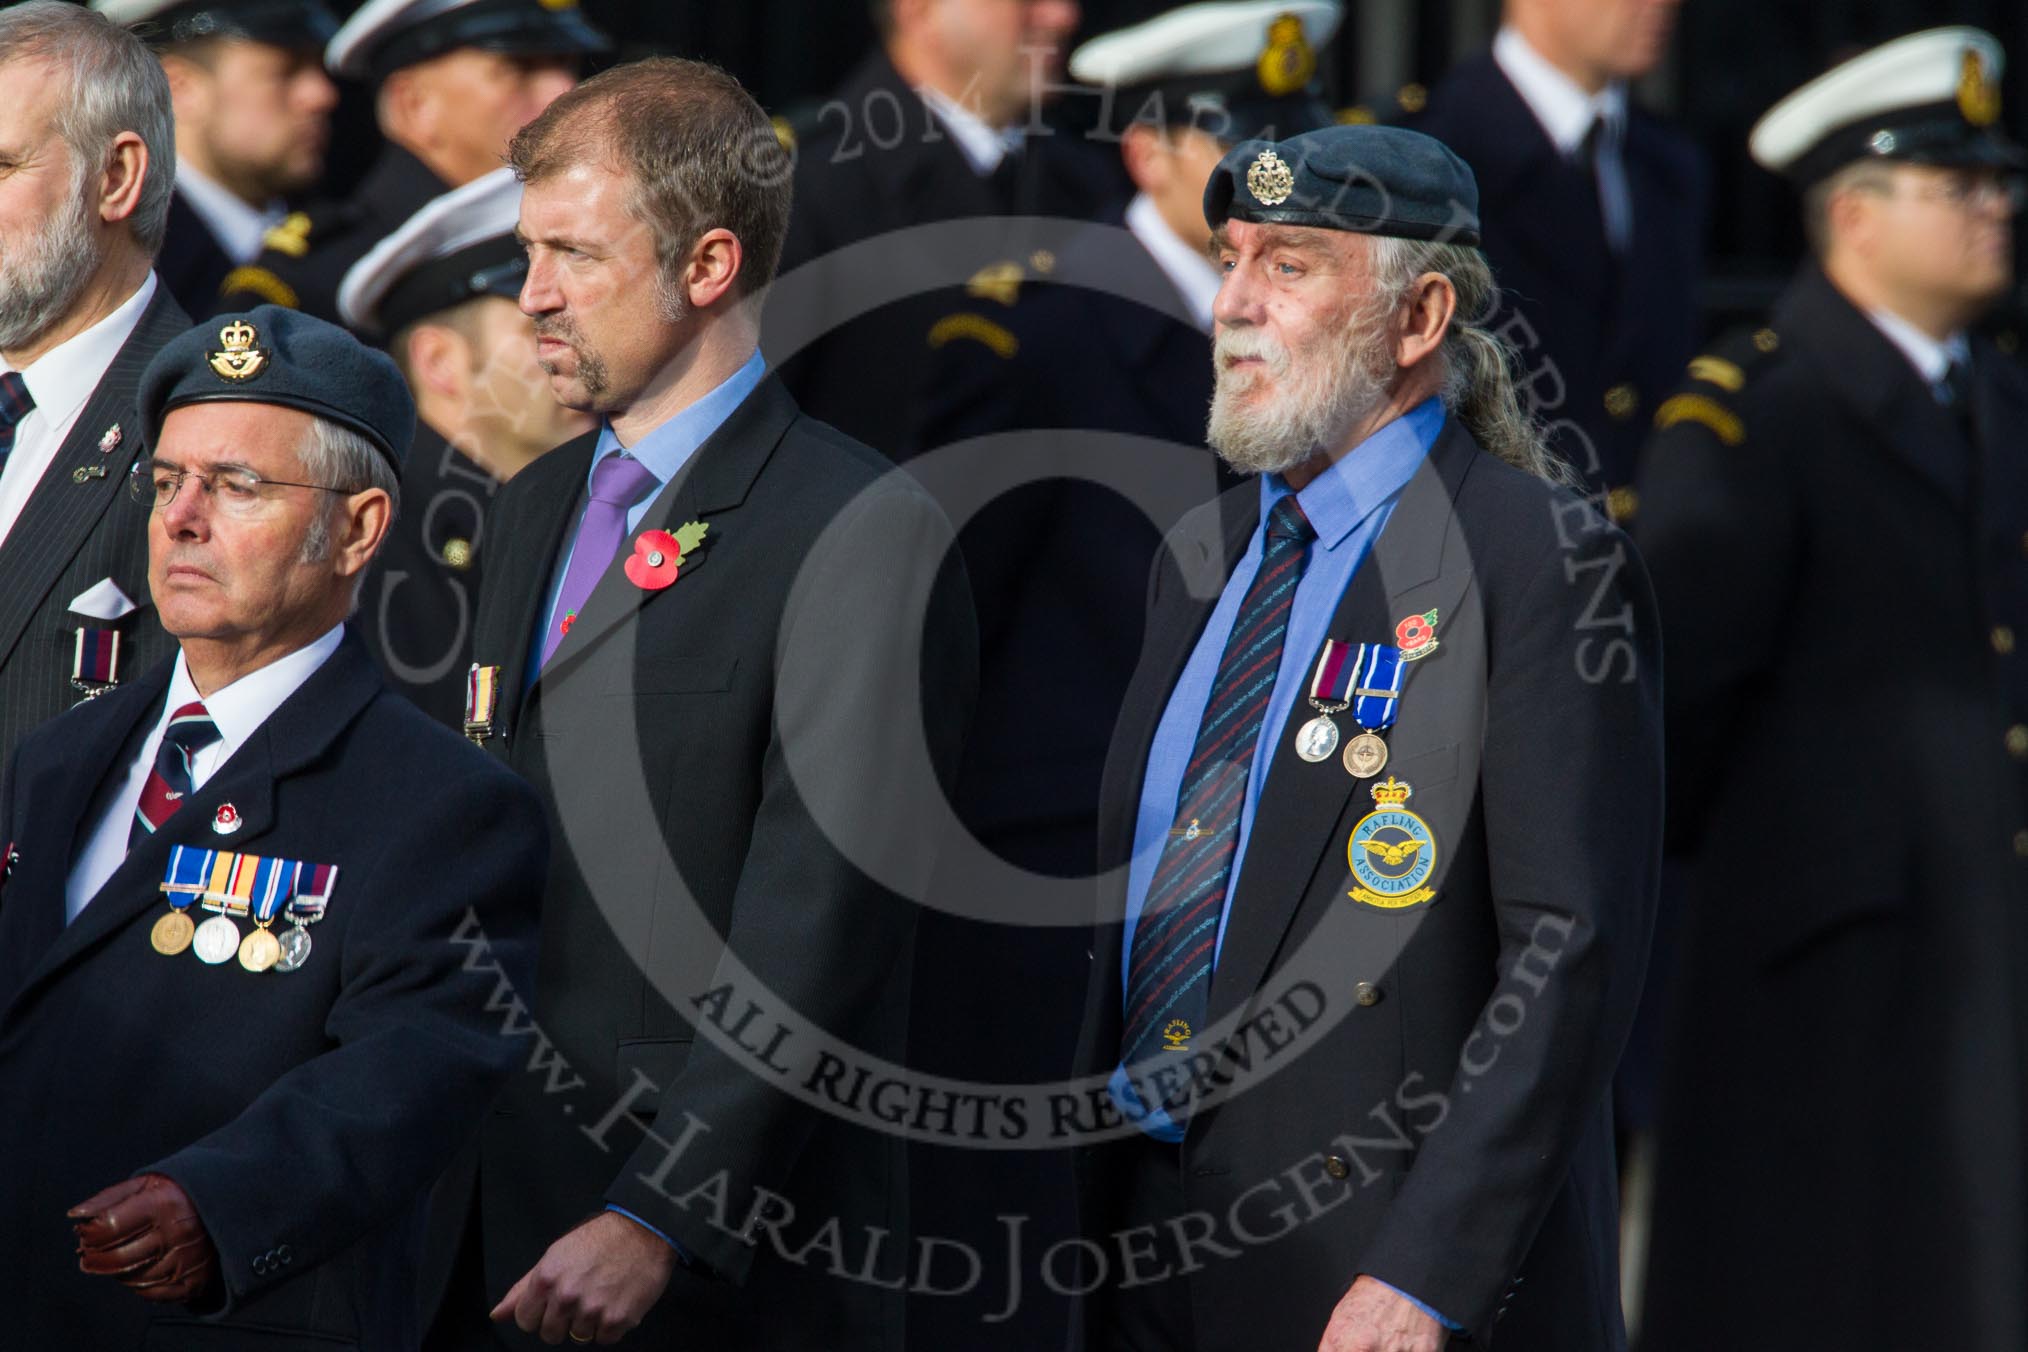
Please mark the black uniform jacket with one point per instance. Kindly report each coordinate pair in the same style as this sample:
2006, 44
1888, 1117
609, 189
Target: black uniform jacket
744, 768
1843, 569
308, 254
1602, 337
854, 329
1421, 1094
305, 1113
423, 593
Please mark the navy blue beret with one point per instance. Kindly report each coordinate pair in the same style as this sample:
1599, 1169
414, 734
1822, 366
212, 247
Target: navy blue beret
1376, 180
275, 356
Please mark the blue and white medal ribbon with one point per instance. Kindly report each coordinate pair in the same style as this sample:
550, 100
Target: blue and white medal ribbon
1365, 678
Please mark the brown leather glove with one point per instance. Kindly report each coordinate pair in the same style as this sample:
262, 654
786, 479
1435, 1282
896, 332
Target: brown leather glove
145, 1232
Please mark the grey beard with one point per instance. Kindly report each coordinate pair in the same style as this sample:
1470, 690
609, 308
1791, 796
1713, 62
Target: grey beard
1329, 398
42, 279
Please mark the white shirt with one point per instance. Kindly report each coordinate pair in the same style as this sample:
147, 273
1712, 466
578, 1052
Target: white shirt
237, 227
1931, 359
1559, 103
1567, 114
61, 380
238, 709
1190, 270
982, 146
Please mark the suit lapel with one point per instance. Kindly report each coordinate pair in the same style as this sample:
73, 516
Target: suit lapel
716, 479
298, 732
1418, 564
64, 510
522, 575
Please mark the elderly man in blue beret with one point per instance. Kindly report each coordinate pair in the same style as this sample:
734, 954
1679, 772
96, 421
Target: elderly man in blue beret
1383, 819
258, 913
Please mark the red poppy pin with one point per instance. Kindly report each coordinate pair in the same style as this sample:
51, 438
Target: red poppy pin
1416, 636
658, 555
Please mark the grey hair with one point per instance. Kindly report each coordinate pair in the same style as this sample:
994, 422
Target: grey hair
1478, 363
335, 456
116, 85
1859, 176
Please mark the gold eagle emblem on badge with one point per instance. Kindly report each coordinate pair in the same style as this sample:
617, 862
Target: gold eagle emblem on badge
238, 358
1270, 179
1392, 855
1176, 1036
1289, 63
1978, 91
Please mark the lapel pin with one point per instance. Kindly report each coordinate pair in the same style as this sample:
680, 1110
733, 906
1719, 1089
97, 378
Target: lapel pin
658, 556
1416, 636
86, 473
227, 819
109, 440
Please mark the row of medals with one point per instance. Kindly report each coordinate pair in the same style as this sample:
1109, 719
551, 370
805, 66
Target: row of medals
1365, 754
218, 939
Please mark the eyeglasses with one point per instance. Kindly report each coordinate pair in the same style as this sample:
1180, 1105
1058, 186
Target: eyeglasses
235, 491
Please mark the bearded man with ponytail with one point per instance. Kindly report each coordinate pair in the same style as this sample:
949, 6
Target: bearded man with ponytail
1358, 991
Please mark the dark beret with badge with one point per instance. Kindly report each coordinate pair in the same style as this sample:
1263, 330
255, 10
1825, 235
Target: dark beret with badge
1239, 69
175, 23
1370, 179
385, 35
289, 359
1928, 98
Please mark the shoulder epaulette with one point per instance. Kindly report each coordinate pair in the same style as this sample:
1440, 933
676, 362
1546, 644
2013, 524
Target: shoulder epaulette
1716, 375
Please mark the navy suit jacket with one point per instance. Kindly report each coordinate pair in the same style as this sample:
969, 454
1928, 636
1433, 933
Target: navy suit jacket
1443, 1122
305, 1113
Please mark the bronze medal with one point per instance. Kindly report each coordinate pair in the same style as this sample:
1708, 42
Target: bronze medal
260, 951
1366, 755
171, 934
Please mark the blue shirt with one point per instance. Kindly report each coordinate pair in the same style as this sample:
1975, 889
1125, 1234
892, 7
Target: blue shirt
1348, 504
665, 451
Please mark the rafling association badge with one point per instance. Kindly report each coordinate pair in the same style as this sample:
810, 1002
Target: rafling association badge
1392, 852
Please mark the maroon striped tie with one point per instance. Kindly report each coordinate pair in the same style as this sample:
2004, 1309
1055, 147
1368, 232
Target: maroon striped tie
190, 730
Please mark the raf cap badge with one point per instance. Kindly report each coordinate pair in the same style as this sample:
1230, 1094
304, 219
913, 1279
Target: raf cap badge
238, 358
1270, 180
1978, 91
1289, 62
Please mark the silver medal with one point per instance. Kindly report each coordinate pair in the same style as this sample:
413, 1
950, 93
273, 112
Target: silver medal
1317, 739
295, 949
217, 940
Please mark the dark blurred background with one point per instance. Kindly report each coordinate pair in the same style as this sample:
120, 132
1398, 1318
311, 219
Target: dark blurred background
1732, 59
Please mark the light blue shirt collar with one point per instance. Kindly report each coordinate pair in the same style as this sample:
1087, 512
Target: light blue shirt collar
669, 447
1360, 482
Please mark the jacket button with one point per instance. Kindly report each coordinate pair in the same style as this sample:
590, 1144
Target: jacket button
260, 1266
2003, 639
1622, 402
284, 1254
2017, 741
1366, 993
1336, 1167
2021, 843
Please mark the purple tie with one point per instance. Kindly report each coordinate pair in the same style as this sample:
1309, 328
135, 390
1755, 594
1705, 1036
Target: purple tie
617, 483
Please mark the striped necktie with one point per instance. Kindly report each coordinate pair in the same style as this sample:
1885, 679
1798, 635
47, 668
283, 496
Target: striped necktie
1169, 976
15, 403
190, 730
